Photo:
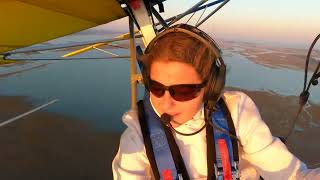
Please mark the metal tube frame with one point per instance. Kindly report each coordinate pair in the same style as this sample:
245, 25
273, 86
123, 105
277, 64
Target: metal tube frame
160, 19
133, 70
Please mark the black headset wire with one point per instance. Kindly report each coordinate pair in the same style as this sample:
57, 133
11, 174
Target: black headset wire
209, 110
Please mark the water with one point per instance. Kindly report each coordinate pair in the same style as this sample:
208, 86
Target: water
246, 74
98, 91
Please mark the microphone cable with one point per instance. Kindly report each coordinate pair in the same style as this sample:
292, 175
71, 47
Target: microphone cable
166, 119
208, 111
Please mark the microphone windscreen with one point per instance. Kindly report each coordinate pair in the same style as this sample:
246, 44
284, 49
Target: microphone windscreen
165, 118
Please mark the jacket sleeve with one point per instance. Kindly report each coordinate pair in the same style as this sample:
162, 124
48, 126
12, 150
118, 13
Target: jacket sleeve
267, 154
130, 161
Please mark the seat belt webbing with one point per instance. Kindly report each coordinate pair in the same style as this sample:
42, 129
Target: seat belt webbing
176, 155
147, 141
231, 129
227, 175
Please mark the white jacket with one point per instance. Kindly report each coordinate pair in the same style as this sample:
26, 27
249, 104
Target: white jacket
260, 152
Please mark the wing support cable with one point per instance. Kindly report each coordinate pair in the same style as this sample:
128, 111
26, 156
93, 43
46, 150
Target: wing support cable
212, 13
190, 10
304, 96
202, 14
190, 17
193, 9
196, 9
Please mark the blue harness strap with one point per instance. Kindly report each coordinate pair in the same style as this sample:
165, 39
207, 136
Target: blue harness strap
161, 148
219, 118
160, 152
159, 142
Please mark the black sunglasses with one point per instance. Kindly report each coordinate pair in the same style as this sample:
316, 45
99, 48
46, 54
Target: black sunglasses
179, 92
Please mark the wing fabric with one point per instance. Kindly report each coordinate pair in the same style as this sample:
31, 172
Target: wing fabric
27, 22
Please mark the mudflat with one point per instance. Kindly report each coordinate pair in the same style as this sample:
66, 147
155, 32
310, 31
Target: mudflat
47, 145
274, 57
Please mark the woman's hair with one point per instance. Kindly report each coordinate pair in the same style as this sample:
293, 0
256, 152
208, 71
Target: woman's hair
180, 47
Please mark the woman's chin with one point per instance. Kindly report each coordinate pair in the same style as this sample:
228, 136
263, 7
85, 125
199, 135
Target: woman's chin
179, 119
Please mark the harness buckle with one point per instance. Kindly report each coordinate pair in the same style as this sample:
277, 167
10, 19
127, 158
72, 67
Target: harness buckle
235, 170
218, 170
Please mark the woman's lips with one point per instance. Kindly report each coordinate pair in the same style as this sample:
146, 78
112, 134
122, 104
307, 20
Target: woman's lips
173, 114
174, 117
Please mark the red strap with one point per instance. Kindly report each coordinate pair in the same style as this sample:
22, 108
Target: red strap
166, 174
224, 154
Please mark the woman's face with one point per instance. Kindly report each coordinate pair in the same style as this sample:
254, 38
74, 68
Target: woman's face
173, 73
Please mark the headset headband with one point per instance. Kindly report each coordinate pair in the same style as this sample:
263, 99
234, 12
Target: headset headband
193, 32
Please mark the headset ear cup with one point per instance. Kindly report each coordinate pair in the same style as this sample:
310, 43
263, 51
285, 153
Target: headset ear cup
145, 76
210, 84
216, 82
221, 79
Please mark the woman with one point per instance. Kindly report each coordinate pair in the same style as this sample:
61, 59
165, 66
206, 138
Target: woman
184, 77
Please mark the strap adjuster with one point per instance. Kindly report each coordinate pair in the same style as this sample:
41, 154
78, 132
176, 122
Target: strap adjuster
235, 170
218, 170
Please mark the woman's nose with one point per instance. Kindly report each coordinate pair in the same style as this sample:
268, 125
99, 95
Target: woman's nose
167, 101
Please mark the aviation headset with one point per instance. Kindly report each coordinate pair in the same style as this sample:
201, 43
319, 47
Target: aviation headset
217, 75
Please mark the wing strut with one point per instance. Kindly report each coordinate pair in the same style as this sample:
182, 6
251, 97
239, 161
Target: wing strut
134, 77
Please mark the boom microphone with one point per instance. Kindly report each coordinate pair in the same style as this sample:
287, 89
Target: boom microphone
165, 119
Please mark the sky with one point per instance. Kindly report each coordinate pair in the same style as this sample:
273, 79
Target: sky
292, 23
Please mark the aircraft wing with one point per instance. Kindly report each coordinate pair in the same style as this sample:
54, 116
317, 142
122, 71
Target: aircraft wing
27, 22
